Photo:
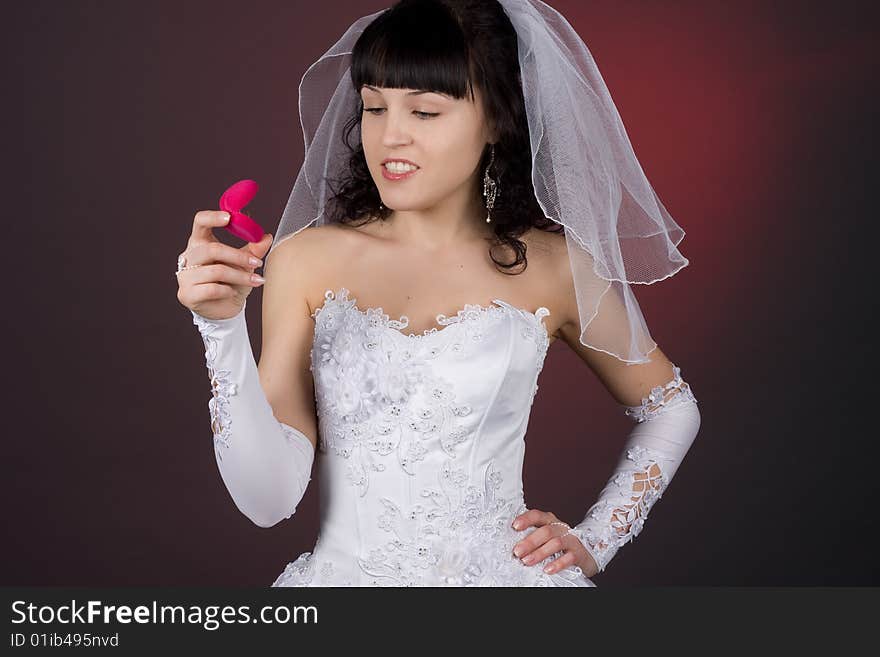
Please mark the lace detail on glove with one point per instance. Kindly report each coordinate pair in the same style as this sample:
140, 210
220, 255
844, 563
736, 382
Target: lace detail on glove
623, 506
674, 392
619, 515
221, 386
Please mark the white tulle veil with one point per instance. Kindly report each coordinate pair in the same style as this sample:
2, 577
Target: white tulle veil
585, 174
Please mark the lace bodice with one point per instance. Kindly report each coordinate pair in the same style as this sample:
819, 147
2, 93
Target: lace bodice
421, 447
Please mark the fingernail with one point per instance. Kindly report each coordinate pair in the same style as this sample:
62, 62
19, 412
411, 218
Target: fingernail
255, 262
518, 551
226, 217
516, 525
257, 279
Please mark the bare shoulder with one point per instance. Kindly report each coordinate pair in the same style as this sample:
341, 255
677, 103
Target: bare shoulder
547, 251
305, 261
313, 243
628, 383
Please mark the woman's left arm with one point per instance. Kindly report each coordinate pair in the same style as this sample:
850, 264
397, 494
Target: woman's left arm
667, 420
652, 393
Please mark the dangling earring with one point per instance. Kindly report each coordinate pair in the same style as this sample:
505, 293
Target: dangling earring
490, 186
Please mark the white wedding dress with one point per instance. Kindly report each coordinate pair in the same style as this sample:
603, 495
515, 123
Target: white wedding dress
421, 441
421, 446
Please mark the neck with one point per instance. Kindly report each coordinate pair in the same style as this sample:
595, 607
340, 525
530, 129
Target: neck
446, 225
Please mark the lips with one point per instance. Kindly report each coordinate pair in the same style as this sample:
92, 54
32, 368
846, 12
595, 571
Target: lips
389, 175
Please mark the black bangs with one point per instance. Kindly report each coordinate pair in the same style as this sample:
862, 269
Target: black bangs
417, 45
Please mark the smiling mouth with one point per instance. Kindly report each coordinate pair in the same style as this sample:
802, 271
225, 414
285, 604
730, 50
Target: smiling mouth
407, 168
389, 174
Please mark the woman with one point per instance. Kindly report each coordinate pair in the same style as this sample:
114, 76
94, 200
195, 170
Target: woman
417, 426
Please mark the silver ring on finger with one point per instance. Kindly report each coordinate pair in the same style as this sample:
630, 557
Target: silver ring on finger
181, 264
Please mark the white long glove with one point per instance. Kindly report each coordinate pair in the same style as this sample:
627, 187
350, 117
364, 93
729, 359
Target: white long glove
668, 422
265, 464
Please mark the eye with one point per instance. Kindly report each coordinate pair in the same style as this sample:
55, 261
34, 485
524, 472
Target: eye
422, 115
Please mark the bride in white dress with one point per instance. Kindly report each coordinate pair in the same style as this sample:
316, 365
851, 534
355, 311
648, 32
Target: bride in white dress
401, 354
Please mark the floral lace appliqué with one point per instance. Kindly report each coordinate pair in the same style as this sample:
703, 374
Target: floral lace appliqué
623, 506
458, 535
379, 395
376, 398
661, 397
221, 386
305, 571
377, 391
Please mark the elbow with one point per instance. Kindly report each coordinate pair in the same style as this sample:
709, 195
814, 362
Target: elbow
270, 514
686, 413
688, 420
267, 519
260, 514
696, 418
264, 521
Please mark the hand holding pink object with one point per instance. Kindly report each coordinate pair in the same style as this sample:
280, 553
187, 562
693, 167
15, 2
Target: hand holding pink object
232, 201
214, 279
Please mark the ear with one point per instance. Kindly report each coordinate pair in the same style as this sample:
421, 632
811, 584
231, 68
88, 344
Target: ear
493, 133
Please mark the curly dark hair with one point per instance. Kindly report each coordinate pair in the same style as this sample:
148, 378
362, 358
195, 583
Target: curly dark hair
448, 46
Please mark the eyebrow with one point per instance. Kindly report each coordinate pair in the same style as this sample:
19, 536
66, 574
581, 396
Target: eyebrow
413, 93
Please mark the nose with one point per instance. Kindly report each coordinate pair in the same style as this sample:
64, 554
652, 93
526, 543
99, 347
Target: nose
394, 131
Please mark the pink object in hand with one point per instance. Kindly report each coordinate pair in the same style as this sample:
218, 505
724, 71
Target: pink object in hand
232, 201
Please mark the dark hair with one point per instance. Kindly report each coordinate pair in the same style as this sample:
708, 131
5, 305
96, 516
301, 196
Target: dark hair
449, 46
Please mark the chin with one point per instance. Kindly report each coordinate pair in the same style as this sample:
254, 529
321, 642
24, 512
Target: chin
399, 205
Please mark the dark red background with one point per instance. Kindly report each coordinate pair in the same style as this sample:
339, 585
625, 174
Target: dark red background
753, 120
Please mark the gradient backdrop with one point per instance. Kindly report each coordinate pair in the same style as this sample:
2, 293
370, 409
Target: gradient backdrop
753, 120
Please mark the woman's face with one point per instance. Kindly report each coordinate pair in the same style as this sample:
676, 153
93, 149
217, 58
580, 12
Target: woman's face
443, 136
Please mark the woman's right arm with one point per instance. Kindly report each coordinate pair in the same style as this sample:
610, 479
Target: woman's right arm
262, 416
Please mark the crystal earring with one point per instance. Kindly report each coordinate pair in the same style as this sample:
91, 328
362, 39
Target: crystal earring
490, 186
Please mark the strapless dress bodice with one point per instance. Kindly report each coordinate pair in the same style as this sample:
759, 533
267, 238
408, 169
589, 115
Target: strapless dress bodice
421, 447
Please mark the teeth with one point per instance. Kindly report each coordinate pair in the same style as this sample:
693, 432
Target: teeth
399, 167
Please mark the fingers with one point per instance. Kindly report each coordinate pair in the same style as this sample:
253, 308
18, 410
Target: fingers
544, 549
197, 294
534, 541
204, 224
566, 560
529, 518
545, 541
261, 248
533, 517
554, 546
533, 547
216, 252
214, 282
221, 273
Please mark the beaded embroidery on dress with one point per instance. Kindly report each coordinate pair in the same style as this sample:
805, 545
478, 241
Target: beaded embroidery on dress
421, 447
